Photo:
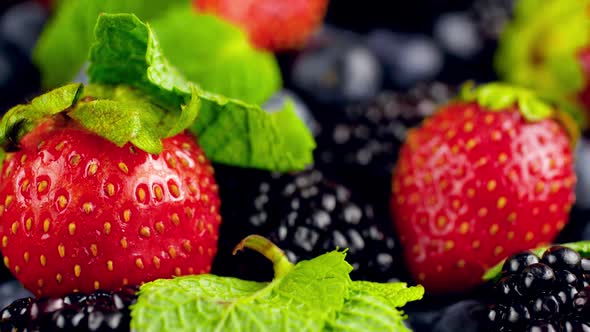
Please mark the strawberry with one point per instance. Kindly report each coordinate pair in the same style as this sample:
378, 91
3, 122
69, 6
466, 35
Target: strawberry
270, 24
80, 213
489, 175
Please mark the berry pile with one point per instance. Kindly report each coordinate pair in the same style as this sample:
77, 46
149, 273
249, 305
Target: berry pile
304, 214
97, 311
548, 293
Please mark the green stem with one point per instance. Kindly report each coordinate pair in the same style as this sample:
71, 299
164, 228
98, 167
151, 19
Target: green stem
262, 245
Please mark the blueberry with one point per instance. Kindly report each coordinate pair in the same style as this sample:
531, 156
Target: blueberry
340, 70
465, 316
22, 23
457, 34
418, 60
19, 79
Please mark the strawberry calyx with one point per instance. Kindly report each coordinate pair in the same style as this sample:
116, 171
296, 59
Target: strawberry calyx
120, 114
265, 247
582, 247
500, 96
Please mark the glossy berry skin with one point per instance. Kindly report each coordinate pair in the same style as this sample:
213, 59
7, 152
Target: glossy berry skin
544, 296
79, 213
472, 186
270, 24
97, 311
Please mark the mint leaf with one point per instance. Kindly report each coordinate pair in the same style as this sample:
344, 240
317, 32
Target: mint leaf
63, 46
229, 131
217, 55
582, 247
21, 119
303, 300
207, 50
314, 295
372, 307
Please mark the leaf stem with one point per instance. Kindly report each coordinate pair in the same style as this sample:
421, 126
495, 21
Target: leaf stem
262, 245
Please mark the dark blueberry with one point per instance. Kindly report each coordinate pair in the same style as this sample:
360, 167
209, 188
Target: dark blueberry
458, 34
559, 257
419, 60
544, 307
306, 215
536, 278
22, 23
337, 68
491, 16
465, 316
508, 287
518, 262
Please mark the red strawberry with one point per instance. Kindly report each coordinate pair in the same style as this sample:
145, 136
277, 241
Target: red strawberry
80, 213
271, 24
475, 184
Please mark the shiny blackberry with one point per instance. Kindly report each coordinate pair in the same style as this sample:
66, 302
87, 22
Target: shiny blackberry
548, 293
306, 215
359, 145
98, 311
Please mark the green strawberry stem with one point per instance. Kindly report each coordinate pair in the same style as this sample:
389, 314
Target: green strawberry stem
262, 245
497, 96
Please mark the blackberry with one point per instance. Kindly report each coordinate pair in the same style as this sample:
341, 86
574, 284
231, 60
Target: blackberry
98, 311
306, 215
547, 293
359, 146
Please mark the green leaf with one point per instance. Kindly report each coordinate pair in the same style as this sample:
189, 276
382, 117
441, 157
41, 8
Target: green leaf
63, 46
217, 55
315, 295
207, 50
122, 114
21, 119
230, 131
499, 96
303, 300
127, 52
582, 247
